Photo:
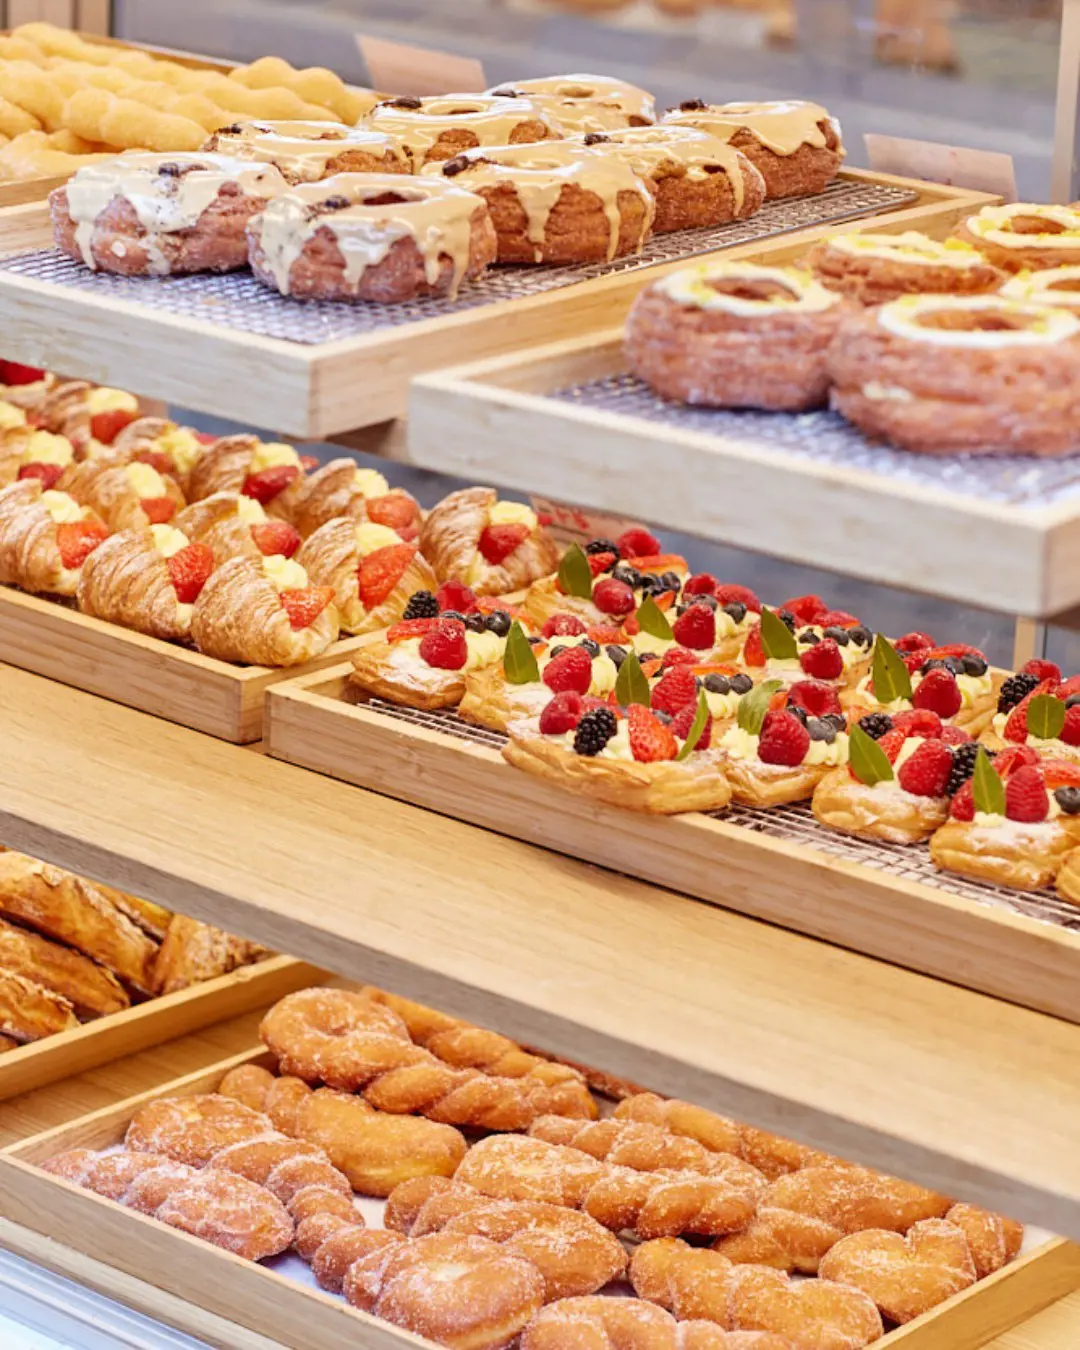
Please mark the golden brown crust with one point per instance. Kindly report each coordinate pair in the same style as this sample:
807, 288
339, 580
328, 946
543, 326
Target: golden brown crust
885, 812
993, 1239
449, 538
239, 617
874, 279
194, 951
332, 492
1027, 857
331, 557
543, 599
852, 1198
103, 485
595, 1322
716, 1133
88, 987
29, 555
381, 670
690, 1282
140, 438
756, 784
29, 1011
782, 1239
1033, 223
490, 700
127, 581
815, 1314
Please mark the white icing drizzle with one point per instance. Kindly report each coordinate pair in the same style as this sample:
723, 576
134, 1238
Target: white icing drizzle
491, 120
435, 215
648, 150
782, 127
588, 91
539, 172
694, 286
1039, 325
911, 247
163, 202
994, 224
302, 150
1044, 287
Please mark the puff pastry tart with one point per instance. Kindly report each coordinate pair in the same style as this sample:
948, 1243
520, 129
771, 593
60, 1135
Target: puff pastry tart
1024, 237
344, 488
45, 538
29, 453
489, 545
832, 648
1056, 737
778, 755
147, 580
234, 526
584, 103
875, 268
269, 471
127, 496
373, 572
171, 449
264, 613
953, 681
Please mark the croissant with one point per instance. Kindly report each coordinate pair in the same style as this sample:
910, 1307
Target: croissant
194, 951
492, 546
242, 615
270, 472
29, 1011
45, 538
86, 413
138, 579
26, 452
336, 555
89, 988
127, 496
343, 489
234, 526
171, 449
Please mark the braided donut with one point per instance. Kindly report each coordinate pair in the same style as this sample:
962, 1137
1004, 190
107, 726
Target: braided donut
599, 1323
781, 1238
993, 1239
257, 1158
628, 1143
71, 1165
150, 1189
514, 1167
111, 1174
854, 1198
813, 1314
775, 1156
904, 1275
462, 1292
334, 1258
230, 1212
690, 1282
716, 1133
192, 1129
302, 1173
316, 1229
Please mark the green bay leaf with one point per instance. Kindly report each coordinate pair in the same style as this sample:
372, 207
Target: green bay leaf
755, 704
987, 789
654, 621
697, 727
888, 672
519, 660
575, 574
869, 763
1045, 717
777, 639
631, 686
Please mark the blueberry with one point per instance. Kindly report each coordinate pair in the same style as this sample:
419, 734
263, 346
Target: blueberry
974, 665
786, 616
1068, 798
741, 684
821, 729
838, 635
559, 647
838, 720
672, 582
718, 684
476, 623
798, 712
452, 614
709, 601
534, 641
1072, 700
860, 635
498, 622
736, 611
808, 636
647, 656
663, 717
617, 655
624, 572
593, 648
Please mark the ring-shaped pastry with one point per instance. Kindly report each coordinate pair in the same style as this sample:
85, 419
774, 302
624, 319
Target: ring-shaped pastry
304, 152
431, 129
1023, 236
953, 374
587, 102
876, 268
1057, 286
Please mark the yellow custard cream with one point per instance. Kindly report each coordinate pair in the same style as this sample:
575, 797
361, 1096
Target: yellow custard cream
371, 483
168, 540
741, 744
484, 649
285, 574
273, 455
62, 509
45, 448
370, 537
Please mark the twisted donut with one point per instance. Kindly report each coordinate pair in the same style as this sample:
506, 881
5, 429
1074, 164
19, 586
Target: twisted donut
599, 1323
854, 1198
335, 1256
904, 1275
993, 1239
628, 1143
781, 1238
192, 1129
716, 1133
690, 1282
813, 1314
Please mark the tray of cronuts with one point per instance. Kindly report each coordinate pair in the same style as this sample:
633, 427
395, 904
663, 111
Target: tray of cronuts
379, 1169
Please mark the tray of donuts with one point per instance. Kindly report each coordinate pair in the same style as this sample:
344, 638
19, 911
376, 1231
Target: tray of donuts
89, 974
379, 1170
179, 573
883, 397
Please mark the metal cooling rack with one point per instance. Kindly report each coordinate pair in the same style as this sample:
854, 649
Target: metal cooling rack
796, 824
825, 438
240, 303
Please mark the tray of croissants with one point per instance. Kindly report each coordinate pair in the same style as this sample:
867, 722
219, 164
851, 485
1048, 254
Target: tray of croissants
89, 973
375, 1167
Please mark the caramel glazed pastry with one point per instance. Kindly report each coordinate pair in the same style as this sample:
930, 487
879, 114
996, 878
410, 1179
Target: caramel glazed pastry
585, 103
433, 129
557, 202
1024, 237
876, 268
305, 152
796, 146
953, 374
375, 237
161, 215
735, 335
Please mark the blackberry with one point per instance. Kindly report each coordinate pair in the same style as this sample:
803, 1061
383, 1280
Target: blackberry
1068, 798
741, 684
736, 611
808, 636
974, 665
617, 655
860, 635
963, 765
821, 729
718, 684
422, 605
498, 622
1015, 689
838, 635
588, 645
594, 731
602, 546
476, 623
876, 725
786, 617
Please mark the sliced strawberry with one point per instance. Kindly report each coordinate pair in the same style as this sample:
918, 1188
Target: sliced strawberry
13, 372
753, 652
190, 571
661, 562
159, 510
497, 542
601, 562
77, 540
813, 697
308, 463
304, 607
1061, 773
157, 459
409, 628
607, 637
106, 426
276, 537
267, 484
563, 625
963, 804
456, 595
650, 739
1014, 757
395, 510
48, 474
380, 572
206, 438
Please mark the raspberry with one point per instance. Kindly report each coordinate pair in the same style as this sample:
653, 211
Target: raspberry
267, 484
613, 597
913, 642
304, 607
953, 735
806, 608
675, 689
1042, 670
814, 698
650, 740
562, 714
1070, 732
106, 426
918, 722
963, 804
456, 595
410, 627
913, 660
822, 661
837, 618
1025, 795
784, 740
190, 570
753, 653
638, 543
497, 542
47, 474
684, 720
395, 510
381, 571
601, 562
696, 627
730, 594
938, 692
563, 625
276, 537
891, 743
159, 510
571, 669
679, 656
443, 645
594, 730
1014, 757
77, 540
926, 772
701, 583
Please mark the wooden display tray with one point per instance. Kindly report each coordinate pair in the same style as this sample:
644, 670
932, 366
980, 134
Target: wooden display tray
271, 1304
163, 678
319, 389
498, 422
147, 1024
845, 899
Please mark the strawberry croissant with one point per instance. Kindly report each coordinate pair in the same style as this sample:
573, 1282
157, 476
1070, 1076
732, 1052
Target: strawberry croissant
264, 613
372, 572
268, 471
147, 580
235, 526
45, 537
344, 488
126, 496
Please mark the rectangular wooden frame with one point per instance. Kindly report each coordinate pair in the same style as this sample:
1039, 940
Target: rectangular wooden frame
309, 723
272, 1305
322, 390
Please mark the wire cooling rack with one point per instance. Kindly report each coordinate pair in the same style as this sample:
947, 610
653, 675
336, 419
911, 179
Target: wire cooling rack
238, 302
796, 824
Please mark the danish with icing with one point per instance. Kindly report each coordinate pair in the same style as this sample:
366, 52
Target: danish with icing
433, 129
1024, 236
875, 268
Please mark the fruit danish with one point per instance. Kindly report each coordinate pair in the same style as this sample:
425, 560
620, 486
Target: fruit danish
161, 215
944, 375
585, 103
433, 129
270, 472
376, 237
795, 146
344, 488
29, 453
557, 202
234, 526
126, 496
1023, 236
373, 573
697, 180
148, 580
1051, 727
953, 682
804, 640
304, 152
875, 268
45, 538
735, 335
171, 449
263, 613
489, 545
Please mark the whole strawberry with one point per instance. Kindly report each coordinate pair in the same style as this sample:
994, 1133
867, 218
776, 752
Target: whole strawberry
696, 627
650, 740
938, 692
443, 645
457, 596
1026, 798
701, 583
677, 688
570, 669
823, 661
784, 740
684, 720
563, 625
926, 772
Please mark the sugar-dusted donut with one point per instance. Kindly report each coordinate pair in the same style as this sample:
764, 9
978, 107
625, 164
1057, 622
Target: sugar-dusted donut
333, 1259
230, 1212
814, 1314
151, 1188
905, 1275
874, 268
192, 1129
690, 1282
716, 1133
256, 1158
993, 1239
598, 1323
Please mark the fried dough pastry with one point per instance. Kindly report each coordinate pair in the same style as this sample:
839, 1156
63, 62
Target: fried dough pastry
992, 1239
814, 1314
270, 472
45, 538
8, 1043
150, 1189
634, 1144
433, 129
904, 1275
1009, 853
336, 1254
304, 152
598, 1323
712, 1131
193, 1129
735, 335
126, 496
375, 1150
776, 1156
258, 1156
690, 1282
335, 556
29, 1011
194, 951
70, 909
853, 1198
88, 987
455, 539
241, 614
462, 1292
128, 580
342, 488
1024, 236
781, 1238
875, 268
883, 811
1058, 286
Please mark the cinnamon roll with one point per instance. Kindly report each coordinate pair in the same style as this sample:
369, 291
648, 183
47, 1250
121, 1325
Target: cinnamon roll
431, 129
304, 152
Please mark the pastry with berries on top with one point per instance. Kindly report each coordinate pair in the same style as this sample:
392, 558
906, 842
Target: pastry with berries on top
1037, 708
954, 681
492, 546
270, 471
374, 572
27, 452
127, 496
344, 488
1013, 822
147, 580
85, 414
234, 526
424, 660
806, 640
168, 447
45, 538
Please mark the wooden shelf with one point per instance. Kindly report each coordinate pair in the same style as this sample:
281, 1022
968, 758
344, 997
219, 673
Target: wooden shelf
956, 1089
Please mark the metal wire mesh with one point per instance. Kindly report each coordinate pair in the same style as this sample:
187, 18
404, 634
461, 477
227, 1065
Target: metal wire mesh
825, 438
797, 824
240, 303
